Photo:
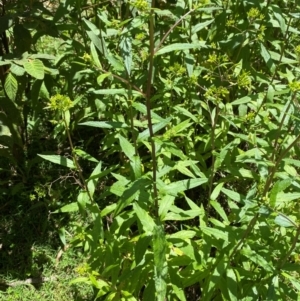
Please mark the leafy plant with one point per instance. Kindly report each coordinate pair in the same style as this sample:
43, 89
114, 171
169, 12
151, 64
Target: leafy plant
181, 121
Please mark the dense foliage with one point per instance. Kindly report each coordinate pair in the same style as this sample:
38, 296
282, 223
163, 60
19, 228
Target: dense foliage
162, 137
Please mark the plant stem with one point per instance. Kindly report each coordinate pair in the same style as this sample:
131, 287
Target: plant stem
246, 234
81, 177
288, 254
280, 126
170, 30
148, 104
281, 157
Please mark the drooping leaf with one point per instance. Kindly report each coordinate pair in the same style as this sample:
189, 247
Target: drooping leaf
283, 221
126, 147
11, 86
180, 47
58, 160
105, 124
126, 49
144, 218
35, 68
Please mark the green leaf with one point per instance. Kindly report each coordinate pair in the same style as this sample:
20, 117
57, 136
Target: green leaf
216, 191
233, 195
267, 58
284, 221
92, 181
219, 210
105, 124
11, 86
145, 219
143, 109
258, 259
136, 165
130, 193
215, 232
95, 56
58, 160
126, 49
35, 68
84, 155
180, 47
202, 25
73, 207
126, 147
182, 215
160, 262
156, 127
62, 235
180, 186
232, 284
278, 187
99, 43
165, 205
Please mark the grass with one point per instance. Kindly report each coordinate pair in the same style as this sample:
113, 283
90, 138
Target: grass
29, 248
57, 289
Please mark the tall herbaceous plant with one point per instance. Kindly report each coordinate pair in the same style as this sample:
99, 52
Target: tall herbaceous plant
182, 124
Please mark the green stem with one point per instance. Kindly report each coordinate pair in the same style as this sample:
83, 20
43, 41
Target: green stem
280, 127
292, 248
148, 105
246, 234
75, 160
285, 42
278, 161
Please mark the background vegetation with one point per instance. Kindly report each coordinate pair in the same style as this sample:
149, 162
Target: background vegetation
149, 150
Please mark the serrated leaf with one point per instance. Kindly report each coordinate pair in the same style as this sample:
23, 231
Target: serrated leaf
17, 70
35, 68
180, 47
11, 86
59, 160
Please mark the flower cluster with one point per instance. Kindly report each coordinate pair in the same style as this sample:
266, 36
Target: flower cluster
60, 102
254, 14
216, 93
295, 86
